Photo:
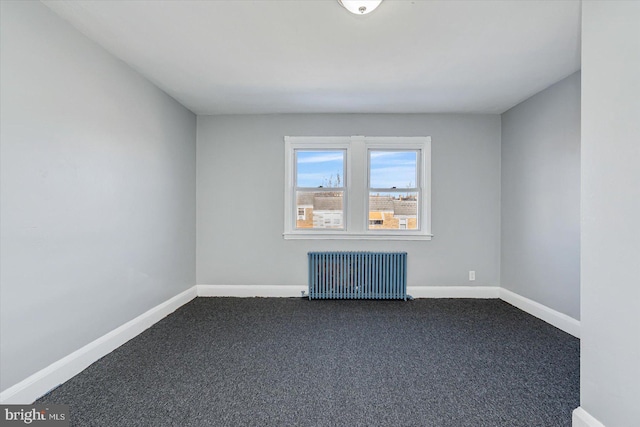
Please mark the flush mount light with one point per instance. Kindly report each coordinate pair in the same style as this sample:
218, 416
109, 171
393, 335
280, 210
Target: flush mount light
360, 7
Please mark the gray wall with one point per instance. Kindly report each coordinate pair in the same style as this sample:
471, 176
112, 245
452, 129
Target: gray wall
541, 197
610, 288
98, 192
240, 197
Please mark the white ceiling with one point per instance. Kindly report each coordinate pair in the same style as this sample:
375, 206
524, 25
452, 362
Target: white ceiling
312, 56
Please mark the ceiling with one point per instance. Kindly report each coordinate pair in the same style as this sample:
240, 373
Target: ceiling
312, 56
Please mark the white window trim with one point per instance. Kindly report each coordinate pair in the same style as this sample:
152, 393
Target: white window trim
356, 200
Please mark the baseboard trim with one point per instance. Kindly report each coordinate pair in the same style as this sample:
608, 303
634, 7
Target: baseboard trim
581, 418
549, 315
281, 291
249, 291
38, 384
485, 292
553, 317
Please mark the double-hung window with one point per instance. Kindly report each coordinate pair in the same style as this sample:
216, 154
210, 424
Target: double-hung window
357, 188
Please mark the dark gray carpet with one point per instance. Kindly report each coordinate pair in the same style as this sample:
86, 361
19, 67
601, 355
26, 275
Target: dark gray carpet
294, 362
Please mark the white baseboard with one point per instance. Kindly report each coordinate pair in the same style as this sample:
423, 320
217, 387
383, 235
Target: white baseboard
36, 385
549, 315
247, 291
453, 291
581, 418
280, 291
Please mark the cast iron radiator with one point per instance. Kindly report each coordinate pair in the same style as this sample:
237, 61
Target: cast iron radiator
358, 275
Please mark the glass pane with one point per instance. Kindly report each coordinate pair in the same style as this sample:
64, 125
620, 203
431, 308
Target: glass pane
393, 211
320, 209
320, 168
393, 169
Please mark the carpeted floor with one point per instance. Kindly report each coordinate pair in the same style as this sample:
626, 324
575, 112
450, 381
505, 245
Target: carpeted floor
294, 362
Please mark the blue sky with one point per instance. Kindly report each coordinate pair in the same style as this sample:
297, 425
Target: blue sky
315, 168
393, 169
388, 168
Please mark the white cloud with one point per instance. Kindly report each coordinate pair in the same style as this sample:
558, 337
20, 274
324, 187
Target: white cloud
321, 158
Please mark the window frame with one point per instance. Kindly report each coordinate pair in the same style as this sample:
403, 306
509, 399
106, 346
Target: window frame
356, 186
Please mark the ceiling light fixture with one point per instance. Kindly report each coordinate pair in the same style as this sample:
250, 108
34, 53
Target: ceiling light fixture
360, 7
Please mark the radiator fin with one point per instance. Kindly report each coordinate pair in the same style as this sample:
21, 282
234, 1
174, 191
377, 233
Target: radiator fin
358, 275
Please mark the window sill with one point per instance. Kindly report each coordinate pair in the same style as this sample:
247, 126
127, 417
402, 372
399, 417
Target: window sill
355, 236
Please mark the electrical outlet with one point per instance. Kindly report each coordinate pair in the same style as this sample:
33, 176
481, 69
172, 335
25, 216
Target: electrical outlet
472, 275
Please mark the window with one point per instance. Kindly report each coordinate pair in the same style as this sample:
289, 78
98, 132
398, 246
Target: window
393, 189
357, 188
319, 186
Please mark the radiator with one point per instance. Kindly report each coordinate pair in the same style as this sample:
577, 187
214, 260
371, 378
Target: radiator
358, 275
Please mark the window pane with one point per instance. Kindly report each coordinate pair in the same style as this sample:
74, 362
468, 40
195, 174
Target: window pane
389, 169
393, 211
320, 209
319, 168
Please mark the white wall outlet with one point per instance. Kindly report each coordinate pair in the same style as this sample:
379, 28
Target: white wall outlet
472, 275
